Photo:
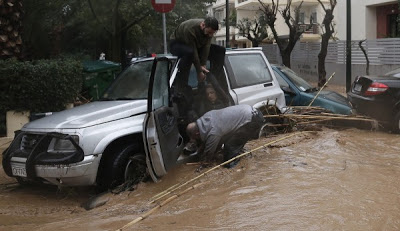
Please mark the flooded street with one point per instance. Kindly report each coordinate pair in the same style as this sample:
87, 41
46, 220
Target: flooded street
323, 180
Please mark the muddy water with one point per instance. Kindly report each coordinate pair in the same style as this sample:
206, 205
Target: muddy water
324, 180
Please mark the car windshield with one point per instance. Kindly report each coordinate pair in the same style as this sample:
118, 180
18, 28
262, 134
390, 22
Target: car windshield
132, 83
300, 83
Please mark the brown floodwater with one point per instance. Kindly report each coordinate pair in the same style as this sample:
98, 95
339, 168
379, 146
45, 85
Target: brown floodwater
323, 180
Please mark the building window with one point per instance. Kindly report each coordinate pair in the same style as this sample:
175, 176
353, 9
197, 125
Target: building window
219, 15
393, 29
301, 18
313, 18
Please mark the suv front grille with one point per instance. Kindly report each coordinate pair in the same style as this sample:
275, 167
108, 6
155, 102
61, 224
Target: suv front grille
29, 141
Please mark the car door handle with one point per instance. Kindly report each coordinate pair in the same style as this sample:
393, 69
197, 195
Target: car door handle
267, 84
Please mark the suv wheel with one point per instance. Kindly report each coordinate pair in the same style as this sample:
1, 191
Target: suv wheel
135, 169
117, 167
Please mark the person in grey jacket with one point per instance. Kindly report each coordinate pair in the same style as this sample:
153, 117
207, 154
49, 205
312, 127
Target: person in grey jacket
231, 126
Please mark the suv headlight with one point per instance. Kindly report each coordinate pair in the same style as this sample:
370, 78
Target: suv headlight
63, 144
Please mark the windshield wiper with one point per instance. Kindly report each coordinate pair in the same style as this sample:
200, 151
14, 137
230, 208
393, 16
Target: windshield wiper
124, 98
312, 89
106, 99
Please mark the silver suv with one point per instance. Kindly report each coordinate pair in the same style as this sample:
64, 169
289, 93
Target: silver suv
134, 129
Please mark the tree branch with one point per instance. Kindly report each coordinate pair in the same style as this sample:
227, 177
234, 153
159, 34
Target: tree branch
97, 19
129, 25
322, 5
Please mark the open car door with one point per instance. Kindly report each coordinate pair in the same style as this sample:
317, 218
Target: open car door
163, 143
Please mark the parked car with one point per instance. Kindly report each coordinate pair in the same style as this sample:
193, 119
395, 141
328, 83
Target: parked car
378, 97
298, 92
133, 128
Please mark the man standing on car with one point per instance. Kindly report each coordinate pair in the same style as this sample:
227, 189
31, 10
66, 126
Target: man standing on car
231, 126
191, 41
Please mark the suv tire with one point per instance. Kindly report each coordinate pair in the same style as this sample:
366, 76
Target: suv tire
118, 166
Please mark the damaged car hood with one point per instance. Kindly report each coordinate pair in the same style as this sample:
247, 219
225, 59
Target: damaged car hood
333, 96
89, 115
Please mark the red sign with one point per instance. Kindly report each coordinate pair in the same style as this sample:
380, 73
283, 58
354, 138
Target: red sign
163, 6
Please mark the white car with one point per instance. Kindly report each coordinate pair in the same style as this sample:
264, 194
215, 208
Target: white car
134, 129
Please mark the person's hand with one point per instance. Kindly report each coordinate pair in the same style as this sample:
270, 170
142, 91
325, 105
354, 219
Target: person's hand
201, 77
204, 69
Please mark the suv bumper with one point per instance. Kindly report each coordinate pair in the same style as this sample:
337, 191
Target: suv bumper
77, 174
70, 168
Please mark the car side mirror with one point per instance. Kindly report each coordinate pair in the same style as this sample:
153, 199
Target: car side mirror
288, 90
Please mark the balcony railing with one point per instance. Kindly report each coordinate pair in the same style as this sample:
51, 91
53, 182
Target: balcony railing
309, 28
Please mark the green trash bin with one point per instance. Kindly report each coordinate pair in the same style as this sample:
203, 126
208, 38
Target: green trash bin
98, 74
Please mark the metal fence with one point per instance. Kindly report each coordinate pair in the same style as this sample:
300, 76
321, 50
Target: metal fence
383, 55
380, 52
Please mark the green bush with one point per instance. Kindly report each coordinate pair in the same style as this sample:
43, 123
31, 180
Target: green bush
39, 86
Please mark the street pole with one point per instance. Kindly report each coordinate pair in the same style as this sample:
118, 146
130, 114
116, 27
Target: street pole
164, 33
227, 24
348, 46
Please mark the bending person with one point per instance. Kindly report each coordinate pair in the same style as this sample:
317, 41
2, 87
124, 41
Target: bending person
231, 127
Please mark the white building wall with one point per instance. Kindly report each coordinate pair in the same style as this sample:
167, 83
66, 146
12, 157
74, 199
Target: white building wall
363, 18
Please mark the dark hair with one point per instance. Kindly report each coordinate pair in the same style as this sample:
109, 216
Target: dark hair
209, 85
212, 23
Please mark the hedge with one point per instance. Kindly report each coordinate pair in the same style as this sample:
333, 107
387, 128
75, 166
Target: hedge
39, 86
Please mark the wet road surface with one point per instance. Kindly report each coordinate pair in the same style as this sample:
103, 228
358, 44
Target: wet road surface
323, 180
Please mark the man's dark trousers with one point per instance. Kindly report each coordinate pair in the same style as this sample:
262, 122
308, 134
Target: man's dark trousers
185, 52
234, 144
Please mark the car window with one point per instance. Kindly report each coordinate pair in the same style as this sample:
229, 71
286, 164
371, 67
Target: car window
132, 83
281, 81
248, 69
160, 86
193, 75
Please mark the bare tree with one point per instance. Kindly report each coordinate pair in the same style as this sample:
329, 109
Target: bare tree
365, 55
295, 31
329, 30
255, 30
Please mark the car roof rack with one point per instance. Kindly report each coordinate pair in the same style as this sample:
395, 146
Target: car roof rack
244, 49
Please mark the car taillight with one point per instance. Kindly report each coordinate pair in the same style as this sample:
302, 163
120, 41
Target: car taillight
376, 89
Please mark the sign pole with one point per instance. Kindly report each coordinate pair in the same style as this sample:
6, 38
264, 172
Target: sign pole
348, 45
163, 6
164, 32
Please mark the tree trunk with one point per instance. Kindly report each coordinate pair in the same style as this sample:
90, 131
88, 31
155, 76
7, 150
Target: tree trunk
321, 61
11, 12
115, 48
329, 30
286, 58
255, 43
